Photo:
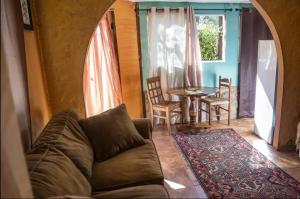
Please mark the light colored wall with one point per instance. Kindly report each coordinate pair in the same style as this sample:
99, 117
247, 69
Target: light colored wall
15, 121
127, 40
211, 70
14, 174
38, 103
283, 17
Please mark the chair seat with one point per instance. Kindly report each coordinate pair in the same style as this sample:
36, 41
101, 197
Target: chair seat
170, 104
157, 103
215, 100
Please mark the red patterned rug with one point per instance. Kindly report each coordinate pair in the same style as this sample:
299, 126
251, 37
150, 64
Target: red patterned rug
227, 166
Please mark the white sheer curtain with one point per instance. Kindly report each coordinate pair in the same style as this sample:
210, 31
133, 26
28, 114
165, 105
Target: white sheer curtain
167, 47
174, 50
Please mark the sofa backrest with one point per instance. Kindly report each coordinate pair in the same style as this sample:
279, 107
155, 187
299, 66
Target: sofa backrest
52, 173
64, 132
64, 139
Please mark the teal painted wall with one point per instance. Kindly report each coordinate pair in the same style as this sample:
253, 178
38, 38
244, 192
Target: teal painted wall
211, 70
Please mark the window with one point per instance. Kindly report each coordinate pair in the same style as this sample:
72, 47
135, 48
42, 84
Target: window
211, 32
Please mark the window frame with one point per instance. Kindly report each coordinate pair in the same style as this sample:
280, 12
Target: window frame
223, 38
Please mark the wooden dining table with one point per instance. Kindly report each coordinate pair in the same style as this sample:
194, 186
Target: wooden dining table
194, 94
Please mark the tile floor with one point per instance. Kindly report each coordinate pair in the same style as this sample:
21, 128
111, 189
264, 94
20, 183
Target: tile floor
179, 178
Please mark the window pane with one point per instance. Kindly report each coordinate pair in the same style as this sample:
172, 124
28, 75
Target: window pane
210, 32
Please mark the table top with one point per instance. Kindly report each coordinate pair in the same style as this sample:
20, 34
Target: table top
195, 91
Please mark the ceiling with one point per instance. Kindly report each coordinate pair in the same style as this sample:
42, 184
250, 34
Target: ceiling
198, 1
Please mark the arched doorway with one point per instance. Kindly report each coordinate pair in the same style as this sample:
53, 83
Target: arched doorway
126, 37
279, 92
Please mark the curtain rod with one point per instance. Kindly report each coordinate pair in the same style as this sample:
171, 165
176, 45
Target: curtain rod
176, 9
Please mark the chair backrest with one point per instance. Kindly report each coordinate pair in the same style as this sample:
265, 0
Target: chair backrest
154, 93
226, 83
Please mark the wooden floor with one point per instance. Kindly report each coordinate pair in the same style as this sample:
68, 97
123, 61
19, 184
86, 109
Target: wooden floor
179, 178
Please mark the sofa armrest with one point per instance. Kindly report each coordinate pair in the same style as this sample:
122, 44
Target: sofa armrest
144, 127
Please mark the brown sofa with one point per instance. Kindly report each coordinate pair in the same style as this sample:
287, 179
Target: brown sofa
61, 163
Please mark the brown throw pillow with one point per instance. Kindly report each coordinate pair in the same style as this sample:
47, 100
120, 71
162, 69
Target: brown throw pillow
111, 132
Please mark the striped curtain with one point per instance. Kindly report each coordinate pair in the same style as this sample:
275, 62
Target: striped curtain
101, 82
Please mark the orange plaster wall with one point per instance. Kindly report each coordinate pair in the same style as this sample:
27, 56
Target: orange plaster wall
285, 16
64, 29
39, 109
127, 40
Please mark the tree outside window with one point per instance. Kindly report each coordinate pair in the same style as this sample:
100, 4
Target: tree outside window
211, 37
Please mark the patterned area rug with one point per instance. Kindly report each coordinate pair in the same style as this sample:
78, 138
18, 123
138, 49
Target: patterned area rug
227, 166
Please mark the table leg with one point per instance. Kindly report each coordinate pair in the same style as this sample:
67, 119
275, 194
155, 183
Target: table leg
182, 107
200, 112
195, 119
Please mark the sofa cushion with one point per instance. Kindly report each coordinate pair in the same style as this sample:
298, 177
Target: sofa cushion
64, 132
111, 132
69, 197
137, 166
52, 173
146, 191
144, 127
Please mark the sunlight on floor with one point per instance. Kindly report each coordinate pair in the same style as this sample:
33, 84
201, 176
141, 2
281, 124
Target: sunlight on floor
173, 162
174, 185
264, 113
259, 143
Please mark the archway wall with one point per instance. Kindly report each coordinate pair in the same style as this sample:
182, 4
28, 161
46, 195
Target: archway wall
285, 16
64, 28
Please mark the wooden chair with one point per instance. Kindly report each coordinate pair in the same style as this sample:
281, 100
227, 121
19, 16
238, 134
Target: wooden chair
217, 101
158, 103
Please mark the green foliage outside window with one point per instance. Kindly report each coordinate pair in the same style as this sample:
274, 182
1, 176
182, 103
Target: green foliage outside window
209, 32
208, 42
